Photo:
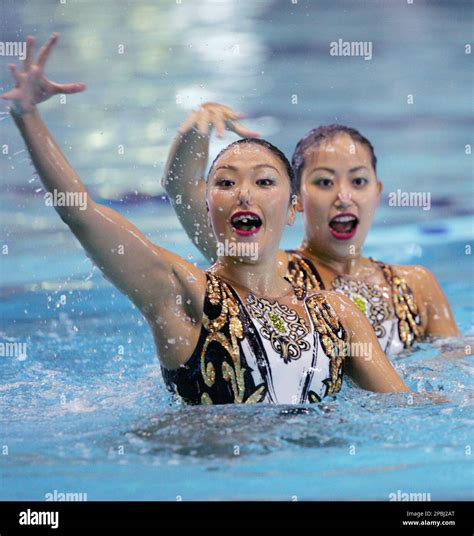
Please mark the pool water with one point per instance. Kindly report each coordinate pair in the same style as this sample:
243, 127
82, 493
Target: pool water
84, 410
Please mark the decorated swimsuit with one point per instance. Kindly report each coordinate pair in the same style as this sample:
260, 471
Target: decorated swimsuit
396, 330
253, 349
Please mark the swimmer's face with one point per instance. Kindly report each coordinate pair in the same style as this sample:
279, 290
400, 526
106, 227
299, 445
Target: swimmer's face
338, 196
248, 194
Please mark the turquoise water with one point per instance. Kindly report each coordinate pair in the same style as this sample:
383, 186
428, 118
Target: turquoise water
85, 410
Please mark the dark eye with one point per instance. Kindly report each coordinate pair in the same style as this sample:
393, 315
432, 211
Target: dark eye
360, 181
266, 182
323, 182
225, 183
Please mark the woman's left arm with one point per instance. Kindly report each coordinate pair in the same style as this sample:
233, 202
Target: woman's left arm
366, 362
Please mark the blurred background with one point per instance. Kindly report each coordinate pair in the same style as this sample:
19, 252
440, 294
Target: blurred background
147, 64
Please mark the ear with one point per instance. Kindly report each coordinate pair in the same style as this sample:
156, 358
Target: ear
291, 214
299, 204
379, 188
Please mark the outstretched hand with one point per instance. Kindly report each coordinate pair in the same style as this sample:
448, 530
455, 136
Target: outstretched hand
214, 115
32, 86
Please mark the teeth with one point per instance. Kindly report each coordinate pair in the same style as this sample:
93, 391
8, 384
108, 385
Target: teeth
344, 219
245, 219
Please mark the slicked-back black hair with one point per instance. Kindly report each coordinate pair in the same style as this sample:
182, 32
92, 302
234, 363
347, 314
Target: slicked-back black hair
318, 135
264, 143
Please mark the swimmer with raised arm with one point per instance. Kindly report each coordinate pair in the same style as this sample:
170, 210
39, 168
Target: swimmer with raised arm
338, 191
235, 333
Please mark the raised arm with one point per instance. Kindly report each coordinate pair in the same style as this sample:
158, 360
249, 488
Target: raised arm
150, 276
366, 363
183, 177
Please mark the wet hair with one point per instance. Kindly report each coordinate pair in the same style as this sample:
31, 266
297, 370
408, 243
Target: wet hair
317, 136
270, 147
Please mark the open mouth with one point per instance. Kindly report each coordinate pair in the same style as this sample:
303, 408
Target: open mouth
246, 223
344, 226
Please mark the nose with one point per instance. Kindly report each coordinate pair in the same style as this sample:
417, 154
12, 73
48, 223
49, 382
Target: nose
344, 198
244, 196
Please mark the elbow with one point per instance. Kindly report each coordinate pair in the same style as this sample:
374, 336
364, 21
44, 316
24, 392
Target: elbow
167, 183
397, 385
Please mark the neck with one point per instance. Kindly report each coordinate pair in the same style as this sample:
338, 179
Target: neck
261, 278
349, 265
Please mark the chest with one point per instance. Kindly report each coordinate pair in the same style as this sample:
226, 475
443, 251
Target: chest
284, 352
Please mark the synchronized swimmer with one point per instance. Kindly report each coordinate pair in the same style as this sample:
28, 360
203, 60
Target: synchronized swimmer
250, 329
338, 191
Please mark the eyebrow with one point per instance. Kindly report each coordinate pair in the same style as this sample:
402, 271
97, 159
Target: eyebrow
352, 170
233, 168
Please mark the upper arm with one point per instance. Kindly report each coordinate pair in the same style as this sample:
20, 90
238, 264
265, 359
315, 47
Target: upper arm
366, 363
149, 275
429, 294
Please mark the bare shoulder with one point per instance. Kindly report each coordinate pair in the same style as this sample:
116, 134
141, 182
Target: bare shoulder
175, 317
436, 316
415, 275
283, 257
